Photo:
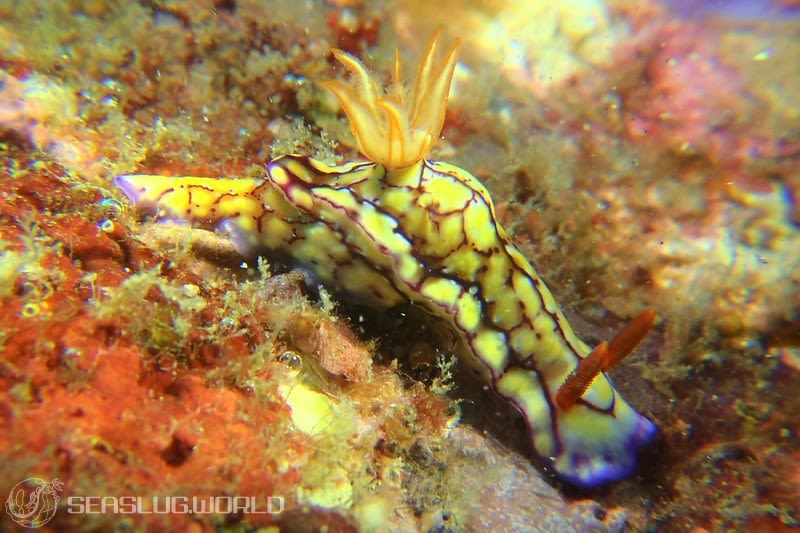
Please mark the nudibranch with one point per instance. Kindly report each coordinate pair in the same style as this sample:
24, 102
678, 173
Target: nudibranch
399, 228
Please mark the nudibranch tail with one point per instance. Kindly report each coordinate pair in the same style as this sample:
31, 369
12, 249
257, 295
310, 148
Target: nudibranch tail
396, 129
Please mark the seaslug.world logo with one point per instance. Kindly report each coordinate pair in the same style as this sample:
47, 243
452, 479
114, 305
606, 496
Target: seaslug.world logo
33, 501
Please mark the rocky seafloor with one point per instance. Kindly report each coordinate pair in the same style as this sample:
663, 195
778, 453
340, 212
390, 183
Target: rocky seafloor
641, 157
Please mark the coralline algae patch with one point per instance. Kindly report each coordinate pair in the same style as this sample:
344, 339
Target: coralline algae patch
80, 400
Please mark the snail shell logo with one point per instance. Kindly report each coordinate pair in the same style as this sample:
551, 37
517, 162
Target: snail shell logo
33, 501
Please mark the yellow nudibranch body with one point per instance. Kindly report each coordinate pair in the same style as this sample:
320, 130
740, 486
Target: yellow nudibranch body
399, 228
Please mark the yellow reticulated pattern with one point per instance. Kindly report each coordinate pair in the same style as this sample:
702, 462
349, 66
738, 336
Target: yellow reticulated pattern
399, 228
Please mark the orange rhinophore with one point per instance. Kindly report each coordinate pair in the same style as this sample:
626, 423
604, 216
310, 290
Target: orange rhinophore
579, 379
629, 338
603, 358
